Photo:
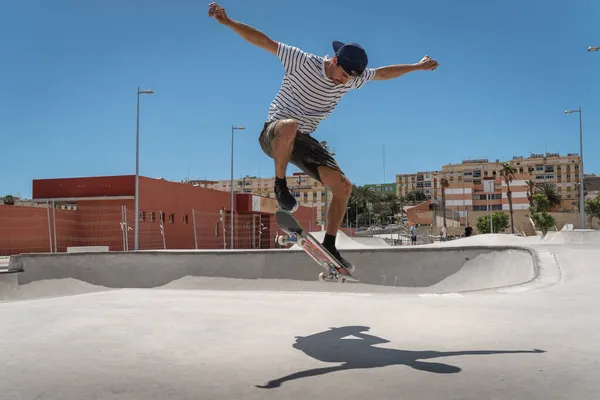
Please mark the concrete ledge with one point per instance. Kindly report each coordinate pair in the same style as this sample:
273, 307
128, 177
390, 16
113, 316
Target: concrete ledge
445, 269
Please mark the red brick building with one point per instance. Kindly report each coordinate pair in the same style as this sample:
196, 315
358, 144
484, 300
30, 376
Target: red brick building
97, 211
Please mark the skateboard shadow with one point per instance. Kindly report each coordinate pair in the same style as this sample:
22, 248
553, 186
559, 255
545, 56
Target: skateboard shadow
360, 352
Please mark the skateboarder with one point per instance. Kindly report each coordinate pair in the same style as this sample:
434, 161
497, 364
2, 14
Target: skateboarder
311, 89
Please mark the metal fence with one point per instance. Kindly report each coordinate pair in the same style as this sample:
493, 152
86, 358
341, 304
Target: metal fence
52, 229
399, 235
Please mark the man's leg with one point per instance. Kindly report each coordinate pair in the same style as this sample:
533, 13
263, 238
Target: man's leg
341, 189
314, 160
284, 134
277, 141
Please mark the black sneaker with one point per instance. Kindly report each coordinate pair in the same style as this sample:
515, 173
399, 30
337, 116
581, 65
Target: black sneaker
334, 252
286, 201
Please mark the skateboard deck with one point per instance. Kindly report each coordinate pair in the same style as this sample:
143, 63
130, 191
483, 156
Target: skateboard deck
307, 242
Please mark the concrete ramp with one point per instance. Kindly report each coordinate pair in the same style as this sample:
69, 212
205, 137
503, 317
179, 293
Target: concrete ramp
399, 270
573, 236
345, 242
496, 269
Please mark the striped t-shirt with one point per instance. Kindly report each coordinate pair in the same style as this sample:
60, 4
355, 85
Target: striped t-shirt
306, 94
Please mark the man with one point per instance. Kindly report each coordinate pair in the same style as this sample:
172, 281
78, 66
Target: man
413, 234
468, 230
311, 89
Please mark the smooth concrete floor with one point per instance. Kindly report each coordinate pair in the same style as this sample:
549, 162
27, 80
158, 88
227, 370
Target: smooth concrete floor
202, 344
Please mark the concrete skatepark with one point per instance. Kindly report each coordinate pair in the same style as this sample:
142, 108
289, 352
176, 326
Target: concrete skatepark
486, 317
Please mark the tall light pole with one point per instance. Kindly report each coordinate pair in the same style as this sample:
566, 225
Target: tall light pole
137, 167
581, 199
233, 128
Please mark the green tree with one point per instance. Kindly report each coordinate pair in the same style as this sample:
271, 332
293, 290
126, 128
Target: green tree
393, 203
500, 221
549, 190
592, 208
361, 199
539, 213
540, 203
508, 173
543, 221
416, 196
380, 211
9, 200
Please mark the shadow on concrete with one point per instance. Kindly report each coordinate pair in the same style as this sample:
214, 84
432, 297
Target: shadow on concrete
360, 352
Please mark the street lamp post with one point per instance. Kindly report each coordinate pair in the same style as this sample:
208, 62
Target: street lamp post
137, 167
581, 199
233, 128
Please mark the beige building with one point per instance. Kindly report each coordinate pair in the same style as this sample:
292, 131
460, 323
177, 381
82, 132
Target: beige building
466, 179
428, 182
307, 191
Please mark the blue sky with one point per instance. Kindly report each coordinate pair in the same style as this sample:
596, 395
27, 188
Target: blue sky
70, 70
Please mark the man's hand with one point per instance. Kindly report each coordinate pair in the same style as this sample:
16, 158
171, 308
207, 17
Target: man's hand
427, 63
396, 71
247, 32
218, 12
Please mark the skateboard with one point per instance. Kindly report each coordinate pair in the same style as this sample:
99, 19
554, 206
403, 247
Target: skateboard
307, 242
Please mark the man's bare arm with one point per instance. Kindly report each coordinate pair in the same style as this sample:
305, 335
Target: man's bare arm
254, 36
395, 71
247, 32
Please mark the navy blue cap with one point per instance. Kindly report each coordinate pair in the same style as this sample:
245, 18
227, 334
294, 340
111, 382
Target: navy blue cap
351, 57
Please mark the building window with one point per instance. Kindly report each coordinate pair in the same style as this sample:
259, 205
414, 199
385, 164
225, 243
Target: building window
152, 216
171, 218
185, 219
142, 215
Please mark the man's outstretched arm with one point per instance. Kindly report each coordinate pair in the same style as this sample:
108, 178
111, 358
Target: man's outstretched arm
395, 71
247, 32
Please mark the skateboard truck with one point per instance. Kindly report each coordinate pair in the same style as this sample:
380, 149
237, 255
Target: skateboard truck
294, 237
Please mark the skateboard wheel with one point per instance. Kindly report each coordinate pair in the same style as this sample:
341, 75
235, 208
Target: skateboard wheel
301, 242
342, 279
322, 277
281, 240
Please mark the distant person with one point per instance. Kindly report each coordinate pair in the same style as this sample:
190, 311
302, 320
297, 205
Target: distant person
413, 234
468, 230
444, 233
312, 87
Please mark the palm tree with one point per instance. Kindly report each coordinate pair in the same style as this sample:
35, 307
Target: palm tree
361, 198
530, 191
549, 190
508, 173
393, 202
444, 184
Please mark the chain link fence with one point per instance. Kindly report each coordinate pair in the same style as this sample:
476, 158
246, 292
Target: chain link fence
53, 229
